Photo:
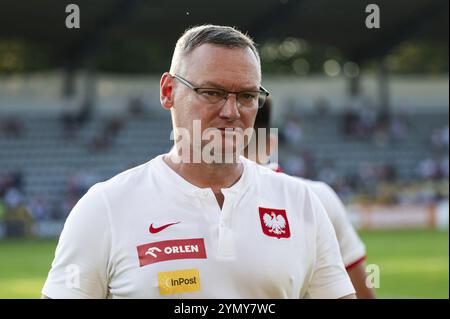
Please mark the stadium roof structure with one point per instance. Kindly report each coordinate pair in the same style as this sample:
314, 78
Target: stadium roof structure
339, 24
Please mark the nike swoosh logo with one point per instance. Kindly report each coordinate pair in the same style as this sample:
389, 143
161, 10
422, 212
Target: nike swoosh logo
155, 230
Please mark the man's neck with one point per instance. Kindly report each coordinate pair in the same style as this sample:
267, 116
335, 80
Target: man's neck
204, 175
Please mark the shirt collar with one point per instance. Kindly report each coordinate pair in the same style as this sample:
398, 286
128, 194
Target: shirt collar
176, 181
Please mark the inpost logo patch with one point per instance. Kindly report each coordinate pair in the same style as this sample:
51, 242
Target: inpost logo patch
174, 282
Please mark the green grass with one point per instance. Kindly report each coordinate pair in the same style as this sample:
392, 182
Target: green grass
24, 265
413, 264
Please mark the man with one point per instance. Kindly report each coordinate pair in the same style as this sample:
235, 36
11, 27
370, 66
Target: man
352, 248
177, 227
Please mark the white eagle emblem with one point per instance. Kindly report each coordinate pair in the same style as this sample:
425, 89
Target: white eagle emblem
275, 223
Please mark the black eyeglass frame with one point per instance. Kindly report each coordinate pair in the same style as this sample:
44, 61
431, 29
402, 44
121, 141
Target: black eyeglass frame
195, 88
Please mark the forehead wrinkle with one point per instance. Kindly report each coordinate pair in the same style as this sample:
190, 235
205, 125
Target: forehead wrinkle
213, 84
232, 80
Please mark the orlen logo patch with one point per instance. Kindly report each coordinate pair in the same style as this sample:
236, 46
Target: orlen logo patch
170, 250
173, 282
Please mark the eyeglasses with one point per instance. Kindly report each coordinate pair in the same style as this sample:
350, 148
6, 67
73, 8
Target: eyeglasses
248, 99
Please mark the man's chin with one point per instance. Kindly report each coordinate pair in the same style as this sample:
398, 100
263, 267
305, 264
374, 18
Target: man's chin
225, 155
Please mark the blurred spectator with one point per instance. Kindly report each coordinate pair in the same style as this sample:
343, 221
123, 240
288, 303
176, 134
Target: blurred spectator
399, 127
99, 143
138, 106
292, 131
17, 180
298, 164
79, 183
368, 178
39, 208
65, 207
368, 119
321, 107
106, 138
113, 127
367, 172
345, 188
11, 127
14, 215
17, 219
360, 117
387, 173
294, 165
436, 139
429, 168
13, 197
327, 173
350, 122
406, 195
444, 166
18, 222
439, 138
2, 209
10, 180
3, 184
72, 121
445, 137
381, 130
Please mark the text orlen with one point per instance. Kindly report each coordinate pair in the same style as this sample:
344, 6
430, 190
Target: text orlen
192, 248
181, 249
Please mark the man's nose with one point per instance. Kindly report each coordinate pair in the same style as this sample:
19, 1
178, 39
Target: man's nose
230, 110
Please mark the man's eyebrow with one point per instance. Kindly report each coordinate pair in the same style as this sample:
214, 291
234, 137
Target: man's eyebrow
212, 84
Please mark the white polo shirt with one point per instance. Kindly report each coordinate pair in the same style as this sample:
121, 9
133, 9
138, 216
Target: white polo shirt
148, 233
352, 248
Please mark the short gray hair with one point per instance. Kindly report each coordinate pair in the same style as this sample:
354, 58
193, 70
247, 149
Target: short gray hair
225, 36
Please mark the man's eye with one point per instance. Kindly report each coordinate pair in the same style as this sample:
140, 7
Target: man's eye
249, 96
212, 93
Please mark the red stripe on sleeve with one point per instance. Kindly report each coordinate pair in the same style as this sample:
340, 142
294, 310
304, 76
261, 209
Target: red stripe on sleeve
353, 264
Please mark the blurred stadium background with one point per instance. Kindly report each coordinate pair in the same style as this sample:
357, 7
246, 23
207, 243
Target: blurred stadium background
365, 110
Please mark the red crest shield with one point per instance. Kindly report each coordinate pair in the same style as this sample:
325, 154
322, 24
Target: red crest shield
274, 222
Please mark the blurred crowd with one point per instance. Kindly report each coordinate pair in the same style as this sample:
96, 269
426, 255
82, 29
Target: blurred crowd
18, 214
13, 210
370, 181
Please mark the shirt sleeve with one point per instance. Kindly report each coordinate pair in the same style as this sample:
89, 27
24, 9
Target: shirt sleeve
351, 246
79, 269
329, 278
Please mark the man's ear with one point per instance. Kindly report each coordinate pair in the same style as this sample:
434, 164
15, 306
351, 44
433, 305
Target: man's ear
166, 90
